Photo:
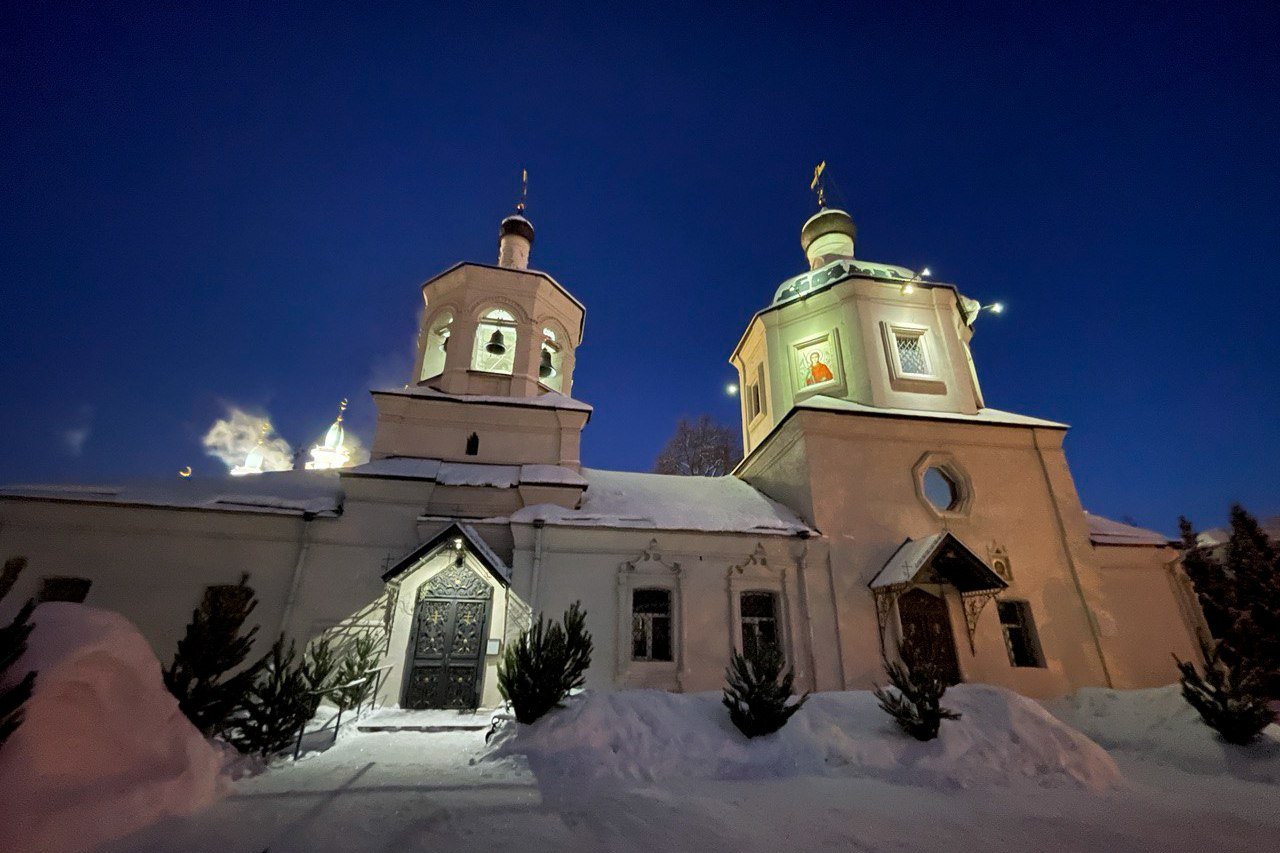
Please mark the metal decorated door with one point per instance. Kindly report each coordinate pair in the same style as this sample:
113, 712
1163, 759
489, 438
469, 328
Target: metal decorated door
450, 633
927, 624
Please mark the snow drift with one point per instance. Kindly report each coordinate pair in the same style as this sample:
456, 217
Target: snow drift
1002, 738
104, 749
1159, 725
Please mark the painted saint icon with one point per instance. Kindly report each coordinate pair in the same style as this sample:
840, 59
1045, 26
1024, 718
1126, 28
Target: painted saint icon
817, 372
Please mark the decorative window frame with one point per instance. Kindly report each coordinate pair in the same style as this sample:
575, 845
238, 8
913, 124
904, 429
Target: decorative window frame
899, 378
649, 570
429, 337
754, 574
835, 386
512, 327
949, 465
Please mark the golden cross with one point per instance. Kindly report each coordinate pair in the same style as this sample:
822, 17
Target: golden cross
524, 190
816, 183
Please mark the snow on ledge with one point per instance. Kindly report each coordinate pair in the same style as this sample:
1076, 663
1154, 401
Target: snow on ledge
1104, 531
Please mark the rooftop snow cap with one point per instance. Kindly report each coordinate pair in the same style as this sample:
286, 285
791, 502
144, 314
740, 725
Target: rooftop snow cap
515, 239
828, 236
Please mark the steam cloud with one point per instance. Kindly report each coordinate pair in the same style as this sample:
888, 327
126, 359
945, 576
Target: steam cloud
231, 438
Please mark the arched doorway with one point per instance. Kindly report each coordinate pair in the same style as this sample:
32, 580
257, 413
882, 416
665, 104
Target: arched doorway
926, 624
447, 646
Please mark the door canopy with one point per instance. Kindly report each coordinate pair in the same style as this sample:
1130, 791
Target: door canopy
938, 560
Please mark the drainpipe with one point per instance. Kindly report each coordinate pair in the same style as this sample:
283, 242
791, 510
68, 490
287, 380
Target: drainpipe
539, 526
295, 582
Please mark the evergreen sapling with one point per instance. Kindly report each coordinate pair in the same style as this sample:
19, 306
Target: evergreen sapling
1228, 698
360, 657
544, 664
277, 705
211, 648
914, 701
758, 691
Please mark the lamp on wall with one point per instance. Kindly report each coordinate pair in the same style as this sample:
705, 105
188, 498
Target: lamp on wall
497, 344
910, 286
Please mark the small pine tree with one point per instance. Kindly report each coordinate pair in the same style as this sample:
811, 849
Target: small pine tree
546, 662
211, 648
1238, 586
13, 642
758, 692
1228, 698
276, 706
915, 702
360, 657
319, 666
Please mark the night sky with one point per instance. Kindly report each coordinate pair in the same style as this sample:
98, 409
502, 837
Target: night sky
238, 206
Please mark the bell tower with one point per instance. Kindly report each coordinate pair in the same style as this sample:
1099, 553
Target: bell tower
855, 334
495, 358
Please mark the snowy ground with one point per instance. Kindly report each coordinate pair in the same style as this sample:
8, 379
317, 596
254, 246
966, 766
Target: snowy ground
404, 791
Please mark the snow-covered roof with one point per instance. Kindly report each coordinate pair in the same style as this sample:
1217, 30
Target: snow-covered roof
668, 502
273, 492
466, 473
549, 400
1104, 531
486, 555
954, 561
822, 402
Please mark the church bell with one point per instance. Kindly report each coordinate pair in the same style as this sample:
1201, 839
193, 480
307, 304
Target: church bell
546, 369
497, 345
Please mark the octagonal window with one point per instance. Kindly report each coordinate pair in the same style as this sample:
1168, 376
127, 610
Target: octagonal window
941, 490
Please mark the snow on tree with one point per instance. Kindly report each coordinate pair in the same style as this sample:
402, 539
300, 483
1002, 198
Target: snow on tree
1239, 591
359, 657
758, 695
546, 662
914, 701
213, 647
701, 448
13, 642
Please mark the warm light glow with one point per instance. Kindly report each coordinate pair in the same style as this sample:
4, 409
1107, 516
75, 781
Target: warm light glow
997, 308
731, 389
924, 273
908, 289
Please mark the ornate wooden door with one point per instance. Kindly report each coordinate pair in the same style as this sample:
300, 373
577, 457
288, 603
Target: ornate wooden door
447, 647
927, 624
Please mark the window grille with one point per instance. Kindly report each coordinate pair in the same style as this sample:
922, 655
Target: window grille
912, 358
759, 621
651, 624
1019, 633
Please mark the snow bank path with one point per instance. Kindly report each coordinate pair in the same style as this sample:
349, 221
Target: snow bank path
405, 791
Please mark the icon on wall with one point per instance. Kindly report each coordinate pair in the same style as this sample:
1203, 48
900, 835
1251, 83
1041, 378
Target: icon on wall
817, 363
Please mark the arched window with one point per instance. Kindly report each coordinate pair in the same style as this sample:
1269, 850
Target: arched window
495, 349
437, 344
551, 361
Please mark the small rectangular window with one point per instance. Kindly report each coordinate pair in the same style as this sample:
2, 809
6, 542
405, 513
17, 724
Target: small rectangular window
651, 624
753, 401
1019, 633
913, 359
759, 612
64, 589
759, 388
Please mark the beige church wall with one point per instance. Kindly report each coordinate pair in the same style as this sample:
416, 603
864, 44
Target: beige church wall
705, 572
402, 618
1146, 615
510, 435
866, 502
152, 565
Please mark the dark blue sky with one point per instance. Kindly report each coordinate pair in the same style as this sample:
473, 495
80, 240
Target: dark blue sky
239, 205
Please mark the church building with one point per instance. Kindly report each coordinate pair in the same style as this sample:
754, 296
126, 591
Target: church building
880, 498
